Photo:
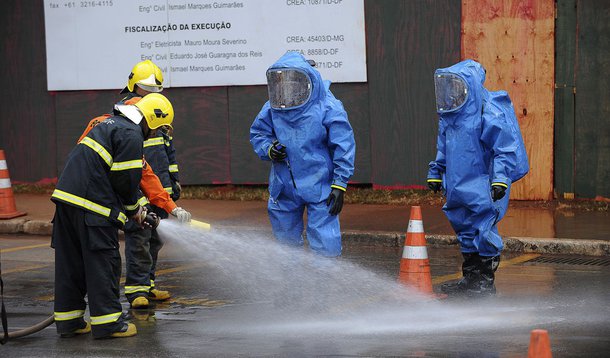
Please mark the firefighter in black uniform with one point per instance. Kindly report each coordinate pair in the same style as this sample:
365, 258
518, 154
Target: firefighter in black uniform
143, 244
97, 193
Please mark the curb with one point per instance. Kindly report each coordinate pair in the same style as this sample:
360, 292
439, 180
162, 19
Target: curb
24, 226
388, 239
513, 244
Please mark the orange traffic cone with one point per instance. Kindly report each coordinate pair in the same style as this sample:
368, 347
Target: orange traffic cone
414, 264
8, 210
540, 344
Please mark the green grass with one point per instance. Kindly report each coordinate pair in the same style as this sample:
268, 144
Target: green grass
356, 194
33, 188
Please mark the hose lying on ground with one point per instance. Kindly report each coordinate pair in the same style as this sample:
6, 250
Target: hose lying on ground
33, 329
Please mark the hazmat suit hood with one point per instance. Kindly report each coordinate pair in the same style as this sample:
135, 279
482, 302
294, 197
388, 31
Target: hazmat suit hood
296, 61
462, 81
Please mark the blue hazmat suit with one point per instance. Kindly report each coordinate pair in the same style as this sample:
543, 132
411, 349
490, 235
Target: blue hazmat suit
320, 149
477, 146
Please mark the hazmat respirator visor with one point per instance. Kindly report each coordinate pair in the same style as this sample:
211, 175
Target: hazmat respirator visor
451, 92
288, 88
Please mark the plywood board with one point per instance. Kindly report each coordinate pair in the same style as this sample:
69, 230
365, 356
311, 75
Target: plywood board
514, 41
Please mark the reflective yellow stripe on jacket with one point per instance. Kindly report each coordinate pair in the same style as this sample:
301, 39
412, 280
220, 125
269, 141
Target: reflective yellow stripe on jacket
173, 168
130, 164
143, 201
86, 204
99, 149
153, 141
114, 166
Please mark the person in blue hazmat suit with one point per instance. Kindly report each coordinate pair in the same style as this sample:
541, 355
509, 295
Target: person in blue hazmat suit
479, 148
96, 194
304, 130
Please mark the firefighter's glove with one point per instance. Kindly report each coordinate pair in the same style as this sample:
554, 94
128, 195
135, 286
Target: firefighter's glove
435, 186
277, 151
176, 190
335, 201
497, 192
182, 215
140, 216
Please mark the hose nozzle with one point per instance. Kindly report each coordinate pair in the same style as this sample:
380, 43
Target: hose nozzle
152, 220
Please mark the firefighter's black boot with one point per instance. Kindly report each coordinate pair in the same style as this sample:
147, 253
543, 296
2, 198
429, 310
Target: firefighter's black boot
485, 285
471, 275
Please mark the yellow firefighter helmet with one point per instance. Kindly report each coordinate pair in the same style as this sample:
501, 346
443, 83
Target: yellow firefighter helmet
157, 110
147, 76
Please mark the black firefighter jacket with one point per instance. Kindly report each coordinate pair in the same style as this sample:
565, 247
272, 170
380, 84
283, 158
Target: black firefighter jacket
103, 172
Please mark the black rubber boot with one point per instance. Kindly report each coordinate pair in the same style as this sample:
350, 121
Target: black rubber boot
485, 285
471, 276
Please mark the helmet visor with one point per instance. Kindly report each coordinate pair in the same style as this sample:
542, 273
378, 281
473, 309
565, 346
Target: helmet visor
149, 88
288, 88
451, 92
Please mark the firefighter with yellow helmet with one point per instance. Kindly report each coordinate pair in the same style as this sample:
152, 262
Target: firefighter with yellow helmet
96, 194
145, 76
143, 244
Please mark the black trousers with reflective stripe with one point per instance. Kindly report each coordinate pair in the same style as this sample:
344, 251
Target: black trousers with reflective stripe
141, 251
81, 271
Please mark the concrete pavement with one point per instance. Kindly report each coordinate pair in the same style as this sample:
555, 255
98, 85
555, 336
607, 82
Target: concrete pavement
525, 228
244, 295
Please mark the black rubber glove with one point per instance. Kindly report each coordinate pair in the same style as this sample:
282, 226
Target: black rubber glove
277, 152
497, 192
435, 186
336, 199
176, 190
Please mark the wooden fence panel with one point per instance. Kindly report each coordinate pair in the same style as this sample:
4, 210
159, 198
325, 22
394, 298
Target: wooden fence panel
592, 123
27, 122
565, 88
73, 111
355, 99
406, 42
244, 105
201, 134
514, 41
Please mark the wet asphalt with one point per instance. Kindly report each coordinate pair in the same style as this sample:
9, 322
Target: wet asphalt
344, 309
523, 219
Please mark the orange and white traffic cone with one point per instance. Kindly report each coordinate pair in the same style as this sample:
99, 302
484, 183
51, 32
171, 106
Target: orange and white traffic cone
414, 264
540, 344
8, 210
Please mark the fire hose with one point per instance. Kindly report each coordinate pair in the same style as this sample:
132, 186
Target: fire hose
152, 219
32, 329
22, 332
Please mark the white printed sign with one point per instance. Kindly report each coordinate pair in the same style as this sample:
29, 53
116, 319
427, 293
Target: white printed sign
94, 44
